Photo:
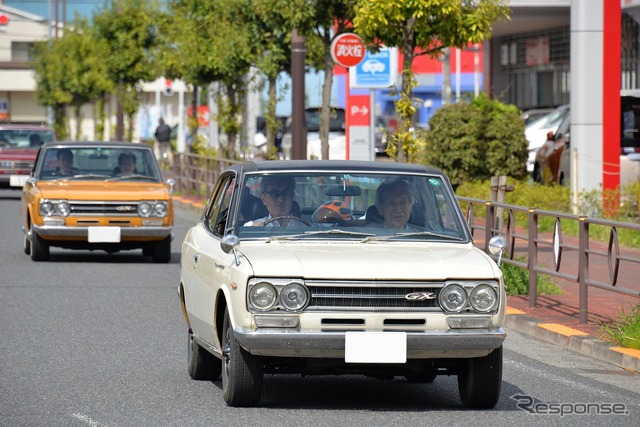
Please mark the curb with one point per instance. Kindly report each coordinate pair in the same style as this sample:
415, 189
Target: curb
554, 333
574, 340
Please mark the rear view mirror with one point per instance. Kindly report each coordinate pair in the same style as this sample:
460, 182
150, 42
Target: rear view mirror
347, 190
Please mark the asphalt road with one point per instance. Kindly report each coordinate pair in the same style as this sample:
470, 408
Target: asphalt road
90, 339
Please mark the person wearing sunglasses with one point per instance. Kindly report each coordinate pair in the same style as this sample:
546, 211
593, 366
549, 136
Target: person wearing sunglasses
277, 193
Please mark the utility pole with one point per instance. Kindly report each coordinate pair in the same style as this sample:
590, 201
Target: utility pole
298, 125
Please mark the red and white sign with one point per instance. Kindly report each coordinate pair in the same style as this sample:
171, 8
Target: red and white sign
347, 49
358, 114
4, 21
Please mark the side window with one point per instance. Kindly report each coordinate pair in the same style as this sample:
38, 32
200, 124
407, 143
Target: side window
216, 218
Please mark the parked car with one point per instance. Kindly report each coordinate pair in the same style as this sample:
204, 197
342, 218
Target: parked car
546, 168
96, 204
531, 115
337, 139
536, 132
18, 147
338, 285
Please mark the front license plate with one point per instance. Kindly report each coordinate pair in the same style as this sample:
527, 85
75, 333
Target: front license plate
18, 180
104, 234
375, 347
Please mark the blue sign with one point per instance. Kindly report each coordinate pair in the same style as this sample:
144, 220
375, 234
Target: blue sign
377, 70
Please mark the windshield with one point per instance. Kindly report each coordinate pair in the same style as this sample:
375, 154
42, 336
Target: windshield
99, 163
25, 138
357, 206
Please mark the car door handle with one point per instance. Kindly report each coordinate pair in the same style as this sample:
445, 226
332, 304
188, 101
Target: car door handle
220, 266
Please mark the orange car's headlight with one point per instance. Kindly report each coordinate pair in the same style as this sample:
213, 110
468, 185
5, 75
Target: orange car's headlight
48, 208
155, 209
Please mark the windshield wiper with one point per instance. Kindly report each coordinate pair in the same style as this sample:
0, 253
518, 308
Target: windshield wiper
84, 175
419, 233
315, 233
120, 178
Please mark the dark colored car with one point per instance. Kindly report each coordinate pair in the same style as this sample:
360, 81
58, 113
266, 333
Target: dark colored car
18, 147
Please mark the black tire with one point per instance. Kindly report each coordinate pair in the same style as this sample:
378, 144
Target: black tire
26, 245
242, 372
39, 248
480, 385
202, 365
147, 251
162, 251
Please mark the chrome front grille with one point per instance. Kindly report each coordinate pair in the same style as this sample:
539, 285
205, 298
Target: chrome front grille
11, 164
91, 208
370, 296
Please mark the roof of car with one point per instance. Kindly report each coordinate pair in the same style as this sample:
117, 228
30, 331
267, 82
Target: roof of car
334, 165
107, 144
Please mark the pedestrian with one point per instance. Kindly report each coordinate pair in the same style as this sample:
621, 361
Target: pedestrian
163, 136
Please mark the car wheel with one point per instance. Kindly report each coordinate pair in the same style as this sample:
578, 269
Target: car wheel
162, 251
242, 372
26, 244
202, 365
480, 385
39, 248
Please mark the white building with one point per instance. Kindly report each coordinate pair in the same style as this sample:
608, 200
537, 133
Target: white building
19, 31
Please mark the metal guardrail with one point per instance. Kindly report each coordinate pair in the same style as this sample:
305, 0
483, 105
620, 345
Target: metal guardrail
526, 247
594, 267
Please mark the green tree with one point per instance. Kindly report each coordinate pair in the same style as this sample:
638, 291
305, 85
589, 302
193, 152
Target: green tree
129, 30
422, 27
211, 43
475, 141
70, 72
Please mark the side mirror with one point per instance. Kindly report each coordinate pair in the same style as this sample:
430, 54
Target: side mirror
230, 243
497, 244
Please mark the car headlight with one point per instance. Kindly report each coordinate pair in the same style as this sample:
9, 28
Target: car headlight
54, 208
144, 209
483, 298
263, 296
294, 296
160, 209
452, 298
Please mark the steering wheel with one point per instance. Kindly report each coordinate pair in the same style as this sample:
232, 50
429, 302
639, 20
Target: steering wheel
289, 217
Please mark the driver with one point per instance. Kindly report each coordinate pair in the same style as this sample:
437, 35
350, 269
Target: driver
277, 193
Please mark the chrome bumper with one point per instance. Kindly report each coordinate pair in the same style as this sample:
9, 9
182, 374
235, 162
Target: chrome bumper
458, 343
65, 231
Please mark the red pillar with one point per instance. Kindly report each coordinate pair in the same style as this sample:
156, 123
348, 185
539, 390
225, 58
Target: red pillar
612, 16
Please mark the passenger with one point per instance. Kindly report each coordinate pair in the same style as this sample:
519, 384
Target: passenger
126, 164
65, 163
393, 201
277, 193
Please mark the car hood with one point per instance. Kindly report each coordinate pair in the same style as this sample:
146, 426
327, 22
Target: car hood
99, 190
373, 261
18, 154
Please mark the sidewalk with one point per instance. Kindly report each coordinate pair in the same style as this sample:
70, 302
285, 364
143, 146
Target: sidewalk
556, 317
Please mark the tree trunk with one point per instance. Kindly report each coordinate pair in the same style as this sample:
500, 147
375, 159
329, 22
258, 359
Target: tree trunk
119, 113
325, 118
404, 122
78, 122
271, 119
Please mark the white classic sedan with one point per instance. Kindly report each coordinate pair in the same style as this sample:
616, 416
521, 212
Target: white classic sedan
340, 267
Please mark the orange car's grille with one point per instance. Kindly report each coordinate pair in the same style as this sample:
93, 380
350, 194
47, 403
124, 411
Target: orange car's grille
125, 208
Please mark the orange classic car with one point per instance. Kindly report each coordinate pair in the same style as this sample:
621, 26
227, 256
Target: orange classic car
97, 196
